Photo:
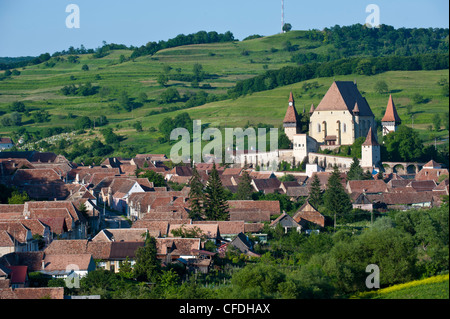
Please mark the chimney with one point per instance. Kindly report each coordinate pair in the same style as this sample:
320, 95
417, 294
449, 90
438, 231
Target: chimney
43, 264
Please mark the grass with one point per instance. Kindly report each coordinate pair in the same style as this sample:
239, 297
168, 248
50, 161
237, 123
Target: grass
436, 287
38, 86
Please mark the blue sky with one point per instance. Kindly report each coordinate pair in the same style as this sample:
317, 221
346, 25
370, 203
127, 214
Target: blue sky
30, 27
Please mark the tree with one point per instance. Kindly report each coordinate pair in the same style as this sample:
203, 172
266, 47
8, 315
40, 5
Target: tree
196, 196
170, 95
18, 198
436, 122
315, 192
82, 123
216, 205
199, 74
154, 177
245, 188
85, 67
356, 172
336, 200
147, 266
287, 27
283, 141
403, 145
381, 87
162, 79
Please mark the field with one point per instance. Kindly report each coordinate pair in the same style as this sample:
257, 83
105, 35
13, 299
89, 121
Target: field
38, 86
436, 287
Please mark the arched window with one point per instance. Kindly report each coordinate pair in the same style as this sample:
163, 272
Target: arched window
318, 127
344, 127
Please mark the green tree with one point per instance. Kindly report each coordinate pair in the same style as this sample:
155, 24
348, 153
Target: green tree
284, 142
355, 172
216, 204
436, 122
381, 87
196, 196
18, 198
162, 79
147, 266
245, 188
336, 200
315, 192
170, 95
403, 145
154, 177
126, 270
85, 67
287, 27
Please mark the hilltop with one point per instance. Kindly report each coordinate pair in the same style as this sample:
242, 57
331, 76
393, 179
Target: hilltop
114, 84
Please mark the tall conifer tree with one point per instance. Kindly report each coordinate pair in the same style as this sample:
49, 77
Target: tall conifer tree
196, 196
216, 204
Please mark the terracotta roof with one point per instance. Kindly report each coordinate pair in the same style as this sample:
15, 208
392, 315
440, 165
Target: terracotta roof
67, 246
421, 186
177, 246
309, 213
291, 115
32, 293
121, 234
342, 96
122, 250
18, 274
367, 186
371, 140
226, 227
207, 230
59, 262
391, 114
432, 164
311, 110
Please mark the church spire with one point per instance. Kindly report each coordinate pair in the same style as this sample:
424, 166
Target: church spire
391, 114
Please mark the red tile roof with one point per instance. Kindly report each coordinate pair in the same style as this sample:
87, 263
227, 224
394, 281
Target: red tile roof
371, 140
391, 114
343, 96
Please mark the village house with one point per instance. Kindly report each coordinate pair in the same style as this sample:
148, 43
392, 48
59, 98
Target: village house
286, 222
308, 213
5, 143
253, 211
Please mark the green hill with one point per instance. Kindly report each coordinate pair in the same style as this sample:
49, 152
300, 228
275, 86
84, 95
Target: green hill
223, 65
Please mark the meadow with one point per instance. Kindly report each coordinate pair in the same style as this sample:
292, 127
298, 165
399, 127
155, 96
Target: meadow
223, 64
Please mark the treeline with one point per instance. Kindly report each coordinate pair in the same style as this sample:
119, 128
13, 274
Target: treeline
19, 64
200, 37
356, 65
358, 39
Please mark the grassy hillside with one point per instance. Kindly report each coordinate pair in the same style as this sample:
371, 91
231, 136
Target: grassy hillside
38, 86
430, 288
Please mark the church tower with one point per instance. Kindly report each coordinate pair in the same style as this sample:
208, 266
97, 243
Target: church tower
291, 119
390, 120
371, 153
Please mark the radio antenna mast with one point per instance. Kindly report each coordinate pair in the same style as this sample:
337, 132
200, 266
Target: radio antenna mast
282, 15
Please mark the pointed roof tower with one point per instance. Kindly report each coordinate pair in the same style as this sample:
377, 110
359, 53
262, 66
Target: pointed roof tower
371, 140
391, 114
356, 109
291, 113
311, 110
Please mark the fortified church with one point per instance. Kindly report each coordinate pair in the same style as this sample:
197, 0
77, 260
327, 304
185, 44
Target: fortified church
342, 116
